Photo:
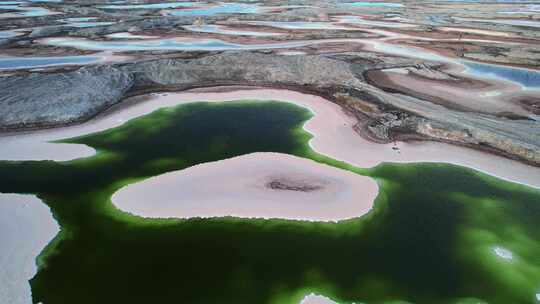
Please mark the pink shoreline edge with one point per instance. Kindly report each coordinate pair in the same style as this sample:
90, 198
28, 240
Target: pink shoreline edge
27, 226
331, 128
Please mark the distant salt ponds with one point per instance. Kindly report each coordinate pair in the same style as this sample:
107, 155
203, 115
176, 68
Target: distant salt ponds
375, 23
514, 22
185, 44
223, 8
8, 34
524, 9
223, 30
372, 4
127, 35
14, 9
298, 25
525, 77
14, 63
189, 8
162, 5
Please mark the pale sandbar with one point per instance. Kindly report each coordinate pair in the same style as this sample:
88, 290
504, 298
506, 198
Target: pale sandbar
26, 227
256, 185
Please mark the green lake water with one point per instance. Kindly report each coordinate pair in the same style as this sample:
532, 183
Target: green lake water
431, 237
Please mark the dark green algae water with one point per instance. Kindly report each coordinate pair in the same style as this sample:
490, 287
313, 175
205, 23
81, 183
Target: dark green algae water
429, 239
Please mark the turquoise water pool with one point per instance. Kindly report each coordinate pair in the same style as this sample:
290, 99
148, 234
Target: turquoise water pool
13, 63
525, 77
224, 8
167, 44
163, 5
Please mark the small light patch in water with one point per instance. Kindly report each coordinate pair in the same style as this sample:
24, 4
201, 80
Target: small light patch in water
491, 94
316, 299
503, 253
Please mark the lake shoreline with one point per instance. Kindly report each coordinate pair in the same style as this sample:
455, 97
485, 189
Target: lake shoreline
388, 114
335, 134
32, 227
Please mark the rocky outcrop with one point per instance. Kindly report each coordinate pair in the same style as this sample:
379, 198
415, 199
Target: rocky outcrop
246, 67
516, 138
45, 100
53, 99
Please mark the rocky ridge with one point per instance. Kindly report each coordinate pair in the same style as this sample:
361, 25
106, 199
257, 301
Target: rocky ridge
39, 100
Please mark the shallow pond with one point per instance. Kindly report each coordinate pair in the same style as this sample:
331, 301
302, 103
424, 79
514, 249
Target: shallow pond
13, 63
525, 77
223, 8
437, 233
127, 35
514, 22
8, 34
166, 44
359, 20
373, 4
217, 29
298, 25
23, 11
163, 5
